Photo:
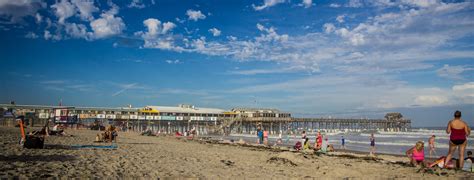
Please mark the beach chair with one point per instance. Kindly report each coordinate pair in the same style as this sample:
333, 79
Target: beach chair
29, 141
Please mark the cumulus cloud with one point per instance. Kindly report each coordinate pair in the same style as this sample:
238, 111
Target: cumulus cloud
108, 24
63, 9
15, 10
267, 4
158, 35
77, 30
195, 15
168, 26
215, 32
85, 9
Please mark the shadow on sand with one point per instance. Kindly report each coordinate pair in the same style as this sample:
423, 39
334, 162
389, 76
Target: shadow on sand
43, 158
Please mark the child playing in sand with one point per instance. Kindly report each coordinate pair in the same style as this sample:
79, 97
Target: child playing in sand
417, 154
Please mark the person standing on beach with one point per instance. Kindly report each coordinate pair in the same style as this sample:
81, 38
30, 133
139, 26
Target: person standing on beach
431, 142
319, 141
260, 136
265, 137
303, 137
459, 131
372, 144
343, 143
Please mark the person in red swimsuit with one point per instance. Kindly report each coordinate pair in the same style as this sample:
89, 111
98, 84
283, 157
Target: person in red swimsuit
459, 131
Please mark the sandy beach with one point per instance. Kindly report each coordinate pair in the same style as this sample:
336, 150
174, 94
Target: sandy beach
170, 157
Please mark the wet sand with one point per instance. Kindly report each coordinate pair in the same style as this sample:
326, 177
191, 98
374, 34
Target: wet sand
170, 157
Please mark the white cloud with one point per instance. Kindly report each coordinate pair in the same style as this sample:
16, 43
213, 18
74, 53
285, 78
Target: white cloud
354, 4
168, 26
77, 30
340, 18
215, 32
38, 18
153, 26
47, 36
177, 61
85, 9
307, 3
329, 27
31, 35
137, 4
15, 10
453, 72
108, 24
334, 5
158, 35
464, 92
430, 100
267, 3
63, 10
195, 15
464, 87
421, 3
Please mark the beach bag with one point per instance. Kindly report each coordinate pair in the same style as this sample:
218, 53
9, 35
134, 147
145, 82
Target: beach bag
33, 142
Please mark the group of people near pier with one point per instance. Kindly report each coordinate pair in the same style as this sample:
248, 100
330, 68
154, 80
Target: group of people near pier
457, 129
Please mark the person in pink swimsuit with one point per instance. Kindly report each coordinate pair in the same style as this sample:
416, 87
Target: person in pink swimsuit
417, 154
459, 131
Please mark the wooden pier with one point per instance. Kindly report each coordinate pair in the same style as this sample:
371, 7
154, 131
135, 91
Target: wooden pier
185, 118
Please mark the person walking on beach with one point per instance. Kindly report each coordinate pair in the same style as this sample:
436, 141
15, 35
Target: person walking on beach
431, 142
459, 131
303, 137
343, 143
372, 144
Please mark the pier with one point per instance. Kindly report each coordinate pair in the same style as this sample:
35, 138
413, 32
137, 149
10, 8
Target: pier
183, 118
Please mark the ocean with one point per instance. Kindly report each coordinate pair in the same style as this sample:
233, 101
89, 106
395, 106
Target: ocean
385, 142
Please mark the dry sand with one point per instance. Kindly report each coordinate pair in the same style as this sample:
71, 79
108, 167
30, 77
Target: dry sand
169, 157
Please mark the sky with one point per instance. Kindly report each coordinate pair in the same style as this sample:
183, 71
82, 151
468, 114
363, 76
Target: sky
311, 58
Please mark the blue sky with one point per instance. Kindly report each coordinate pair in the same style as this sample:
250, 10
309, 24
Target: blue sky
311, 58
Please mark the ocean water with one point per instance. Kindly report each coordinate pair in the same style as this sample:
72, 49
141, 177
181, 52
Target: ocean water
385, 142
